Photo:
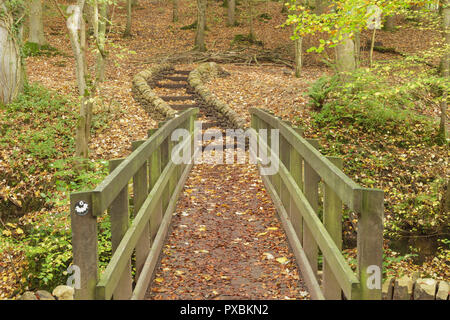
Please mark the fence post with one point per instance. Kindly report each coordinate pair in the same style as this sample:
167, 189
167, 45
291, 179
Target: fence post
285, 158
119, 217
164, 149
311, 190
296, 170
370, 243
84, 243
155, 173
332, 220
140, 190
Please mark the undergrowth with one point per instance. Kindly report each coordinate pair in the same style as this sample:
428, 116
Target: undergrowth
37, 164
377, 121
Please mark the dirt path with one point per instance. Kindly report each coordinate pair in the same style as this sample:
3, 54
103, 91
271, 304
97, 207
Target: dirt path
226, 241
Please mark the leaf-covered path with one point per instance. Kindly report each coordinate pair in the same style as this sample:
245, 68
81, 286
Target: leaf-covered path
226, 241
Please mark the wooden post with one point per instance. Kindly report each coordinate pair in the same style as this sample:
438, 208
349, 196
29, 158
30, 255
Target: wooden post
84, 244
285, 158
311, 190
370, 243
173, 177
164, 161
155, 173
296, 170
140, 190
332, 220
119, 217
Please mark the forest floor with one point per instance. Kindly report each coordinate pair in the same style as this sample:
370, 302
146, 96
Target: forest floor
272, 87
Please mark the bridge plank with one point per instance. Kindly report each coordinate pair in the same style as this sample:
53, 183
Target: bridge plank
119, 217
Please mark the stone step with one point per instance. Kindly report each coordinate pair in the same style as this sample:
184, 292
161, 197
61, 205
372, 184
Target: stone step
171, 85
175, 78
185, 72
177, 98
183, 106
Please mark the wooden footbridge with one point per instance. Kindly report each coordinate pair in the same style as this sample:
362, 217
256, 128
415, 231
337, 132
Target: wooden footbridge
309, 192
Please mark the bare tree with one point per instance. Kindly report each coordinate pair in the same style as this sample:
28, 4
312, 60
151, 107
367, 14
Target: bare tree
36, 24
127, 32
445, 66
231, 12
11, 68
345, 56
77, 29
174, 10
99, 24
201, 25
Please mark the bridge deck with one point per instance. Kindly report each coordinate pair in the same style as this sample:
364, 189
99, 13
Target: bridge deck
226, 241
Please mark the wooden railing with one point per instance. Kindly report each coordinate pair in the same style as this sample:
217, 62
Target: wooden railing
156, 184
305, 180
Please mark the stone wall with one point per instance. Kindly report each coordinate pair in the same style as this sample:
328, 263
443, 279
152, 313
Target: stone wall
406, 288
157, 108
203, 73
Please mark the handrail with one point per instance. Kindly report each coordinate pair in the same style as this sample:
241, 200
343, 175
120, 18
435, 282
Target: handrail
294, 190
109, 279
110, 187
347, 189
157, 182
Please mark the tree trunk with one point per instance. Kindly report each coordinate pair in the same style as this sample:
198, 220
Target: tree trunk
251, 19
389, 24
100, 36
298, 57
76, 28
320, 6
127, 32
36, 23
231, 12
175, 10
345, 57
11, 69
201, 23
445, 67
357, 43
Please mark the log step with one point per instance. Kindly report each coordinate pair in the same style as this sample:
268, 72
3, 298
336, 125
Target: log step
171, 85
207, 125
185, 72
183, 106
175, 78
177, 98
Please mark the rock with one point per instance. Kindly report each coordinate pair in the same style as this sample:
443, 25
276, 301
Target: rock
425, 289
64, 292
44, 295
443, 291
28, 295
403, 288
387, 289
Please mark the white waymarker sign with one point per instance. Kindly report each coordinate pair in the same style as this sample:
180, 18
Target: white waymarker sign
374, 20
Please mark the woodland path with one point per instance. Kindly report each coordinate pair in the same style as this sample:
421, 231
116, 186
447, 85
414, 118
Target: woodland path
226, 241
